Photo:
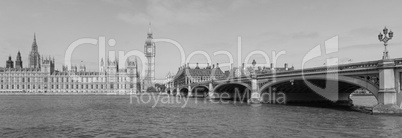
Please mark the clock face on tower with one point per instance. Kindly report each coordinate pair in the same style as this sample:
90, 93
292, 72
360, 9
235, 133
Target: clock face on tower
149, 50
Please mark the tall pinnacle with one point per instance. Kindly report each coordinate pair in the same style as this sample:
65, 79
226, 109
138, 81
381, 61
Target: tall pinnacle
149, 31
34, 45
18, 55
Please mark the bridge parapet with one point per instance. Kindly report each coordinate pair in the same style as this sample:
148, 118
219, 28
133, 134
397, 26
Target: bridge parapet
343, 67
371, 64
398, 61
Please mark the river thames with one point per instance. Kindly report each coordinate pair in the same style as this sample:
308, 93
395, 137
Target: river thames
114, 116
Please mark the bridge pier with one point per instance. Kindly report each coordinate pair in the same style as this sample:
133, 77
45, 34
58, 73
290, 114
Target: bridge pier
190, 93
344, 99
387, 100
211, 93
177, 91
171, 91
255, 93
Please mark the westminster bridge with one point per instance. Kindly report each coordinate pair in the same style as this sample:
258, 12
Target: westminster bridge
312, 85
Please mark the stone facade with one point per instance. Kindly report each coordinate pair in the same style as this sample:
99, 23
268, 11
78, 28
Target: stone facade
187, 75
42, 77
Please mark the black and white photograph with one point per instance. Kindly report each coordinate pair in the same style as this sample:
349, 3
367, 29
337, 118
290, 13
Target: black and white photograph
200, 68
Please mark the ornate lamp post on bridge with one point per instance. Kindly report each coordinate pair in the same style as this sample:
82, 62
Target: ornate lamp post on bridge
388, 90
384, 38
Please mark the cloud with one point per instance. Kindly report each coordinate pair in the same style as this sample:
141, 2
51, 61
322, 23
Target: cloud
318, 5
366, 47
297, 35
121, 3
179, 12
301, 35
134, 19
17, 43
365, 31
280, 38
36, 15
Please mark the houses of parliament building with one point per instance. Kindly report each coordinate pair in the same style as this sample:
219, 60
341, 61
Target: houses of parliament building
40, 76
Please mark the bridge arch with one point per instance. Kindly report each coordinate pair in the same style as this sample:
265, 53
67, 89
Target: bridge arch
174, 92
224, 86
184, 91
229, 91
349, 84
200, 90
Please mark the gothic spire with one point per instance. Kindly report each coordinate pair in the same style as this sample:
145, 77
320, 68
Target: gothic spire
149, 31
18, 55
34, 45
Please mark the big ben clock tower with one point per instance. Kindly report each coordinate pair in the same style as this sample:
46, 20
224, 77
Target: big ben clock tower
149, 50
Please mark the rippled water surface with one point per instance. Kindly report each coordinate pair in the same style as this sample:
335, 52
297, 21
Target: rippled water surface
114, 116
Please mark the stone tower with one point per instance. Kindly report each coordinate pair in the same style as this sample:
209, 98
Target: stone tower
48, 65
18, 61
34, 57
112, 66
149, 50
132, 75
112, 71
9, 63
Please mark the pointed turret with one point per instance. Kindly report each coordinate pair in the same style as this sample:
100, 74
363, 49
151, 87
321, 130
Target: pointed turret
149, 31
34, 44
9, 63
18, 61
18, 56
34, 57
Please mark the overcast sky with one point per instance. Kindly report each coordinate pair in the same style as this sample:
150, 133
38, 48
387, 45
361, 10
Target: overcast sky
203, 25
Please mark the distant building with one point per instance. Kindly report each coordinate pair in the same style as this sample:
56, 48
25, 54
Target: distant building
245, 71
187, 75
18, 61
169, 82
9, 63
42, 77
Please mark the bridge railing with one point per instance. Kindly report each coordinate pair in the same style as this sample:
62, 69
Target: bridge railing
350, 66
398, 61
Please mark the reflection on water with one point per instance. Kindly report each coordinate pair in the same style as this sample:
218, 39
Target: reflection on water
364, 100
114, 116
